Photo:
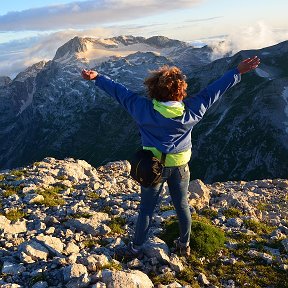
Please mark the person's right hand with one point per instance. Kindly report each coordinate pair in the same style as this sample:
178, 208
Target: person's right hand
248, 64
89, 74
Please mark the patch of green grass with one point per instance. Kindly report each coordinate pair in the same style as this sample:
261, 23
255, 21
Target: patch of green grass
60, 187
90, 243
166, 208
9, 189
9, 192
253, 271
80, 215
51, 196
15, 214
258, 227
163, 279
261, 243
195, 264
205, 239
262, 206
232, 212
116, 225
209, 213
252, 274
93, 195
184, 277
197, 217
62, 177
112, 266
241, 237
2, 177
187, 276
18, 173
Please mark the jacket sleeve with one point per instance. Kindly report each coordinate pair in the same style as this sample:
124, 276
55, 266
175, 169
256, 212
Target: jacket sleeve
124, 96
201, 102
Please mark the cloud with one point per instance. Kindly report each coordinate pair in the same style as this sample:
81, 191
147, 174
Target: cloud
15, 56
246, 38
203, 19
80, 14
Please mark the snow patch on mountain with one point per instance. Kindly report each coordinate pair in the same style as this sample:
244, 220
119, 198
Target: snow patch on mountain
29, 99
262, 73
97, 53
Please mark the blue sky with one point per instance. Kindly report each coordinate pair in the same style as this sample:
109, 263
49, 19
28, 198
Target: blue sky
32, 30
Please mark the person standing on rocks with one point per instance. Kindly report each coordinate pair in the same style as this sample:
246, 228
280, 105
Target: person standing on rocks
165, 120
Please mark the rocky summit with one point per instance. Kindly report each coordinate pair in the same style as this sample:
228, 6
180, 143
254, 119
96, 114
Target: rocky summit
61, 222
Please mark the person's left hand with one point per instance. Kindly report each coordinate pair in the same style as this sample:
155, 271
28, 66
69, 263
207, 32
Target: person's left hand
248, 64
89, 74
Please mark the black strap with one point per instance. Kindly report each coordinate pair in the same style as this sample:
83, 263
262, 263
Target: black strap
163, 158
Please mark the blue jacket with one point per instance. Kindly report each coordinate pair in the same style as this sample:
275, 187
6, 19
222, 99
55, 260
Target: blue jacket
169, 135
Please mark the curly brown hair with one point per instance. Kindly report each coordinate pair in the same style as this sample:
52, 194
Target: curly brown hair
166, 84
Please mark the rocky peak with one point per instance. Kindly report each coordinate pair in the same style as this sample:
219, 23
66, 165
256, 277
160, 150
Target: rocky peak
163, 42
128, 39
4, 81
31, 71
75, 45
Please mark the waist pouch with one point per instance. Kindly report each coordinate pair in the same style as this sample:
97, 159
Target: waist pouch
146, 169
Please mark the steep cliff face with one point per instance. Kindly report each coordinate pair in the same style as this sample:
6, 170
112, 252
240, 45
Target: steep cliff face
48, 110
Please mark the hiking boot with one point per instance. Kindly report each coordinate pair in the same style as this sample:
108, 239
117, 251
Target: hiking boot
182, 248
128, 252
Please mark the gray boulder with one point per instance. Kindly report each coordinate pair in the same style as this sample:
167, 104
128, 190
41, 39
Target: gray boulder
155, 247
34, 250
94, 225
12, 268
53, 244
74, 271
129, 279
200, 194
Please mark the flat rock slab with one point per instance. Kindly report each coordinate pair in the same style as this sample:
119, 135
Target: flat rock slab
12, 228
130, 279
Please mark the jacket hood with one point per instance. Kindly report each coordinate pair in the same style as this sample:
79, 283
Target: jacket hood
169, 109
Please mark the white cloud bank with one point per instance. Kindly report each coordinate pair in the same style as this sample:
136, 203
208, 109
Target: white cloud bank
247, 38
17, 55
81, 14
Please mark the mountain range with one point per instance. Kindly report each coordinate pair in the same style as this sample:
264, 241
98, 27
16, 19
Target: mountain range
49, 110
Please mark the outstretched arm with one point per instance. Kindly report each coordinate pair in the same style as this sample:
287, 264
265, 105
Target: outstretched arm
200, 103
123, 95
